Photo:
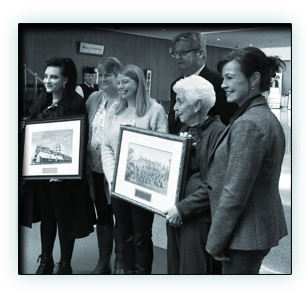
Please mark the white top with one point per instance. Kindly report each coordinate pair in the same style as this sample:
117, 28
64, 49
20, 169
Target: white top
155, 119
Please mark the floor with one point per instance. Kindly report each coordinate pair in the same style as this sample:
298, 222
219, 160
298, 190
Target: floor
85, 255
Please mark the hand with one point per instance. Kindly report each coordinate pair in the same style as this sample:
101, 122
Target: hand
110, 186
221, 257
21, 126
173, 217
128, 122
186, 135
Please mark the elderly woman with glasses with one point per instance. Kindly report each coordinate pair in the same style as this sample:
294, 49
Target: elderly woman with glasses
188, 222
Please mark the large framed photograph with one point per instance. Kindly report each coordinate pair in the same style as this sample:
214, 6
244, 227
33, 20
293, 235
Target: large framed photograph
53, 148
149, 169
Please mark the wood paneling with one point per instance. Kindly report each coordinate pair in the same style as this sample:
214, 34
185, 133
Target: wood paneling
216, 54
39, 43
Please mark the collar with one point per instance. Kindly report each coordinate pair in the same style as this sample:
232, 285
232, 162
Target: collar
244, 106
196, 131
52, 105
104, 101
197, 72
88, 84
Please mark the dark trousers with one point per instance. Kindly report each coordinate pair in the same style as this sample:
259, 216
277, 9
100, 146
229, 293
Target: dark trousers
48, 229
135, 227
244, 262
104, 210
186, 252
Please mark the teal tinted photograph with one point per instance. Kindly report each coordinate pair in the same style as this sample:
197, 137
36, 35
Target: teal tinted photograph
225, 82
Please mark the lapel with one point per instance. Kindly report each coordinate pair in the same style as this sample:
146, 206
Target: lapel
205, 73
250, 103
94, 106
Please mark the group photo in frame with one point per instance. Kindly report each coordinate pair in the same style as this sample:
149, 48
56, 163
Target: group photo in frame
53, 148
149, 169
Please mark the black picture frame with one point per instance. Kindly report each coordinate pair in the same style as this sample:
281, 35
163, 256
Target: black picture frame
44, 156
150, 168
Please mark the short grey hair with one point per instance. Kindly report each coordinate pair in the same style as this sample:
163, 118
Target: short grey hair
197, 88
196, 39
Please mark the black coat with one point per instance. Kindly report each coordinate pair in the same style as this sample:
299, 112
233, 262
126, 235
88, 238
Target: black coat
221, 107
87, 91
68, 201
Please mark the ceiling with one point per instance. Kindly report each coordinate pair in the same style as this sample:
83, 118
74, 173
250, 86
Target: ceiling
222, 35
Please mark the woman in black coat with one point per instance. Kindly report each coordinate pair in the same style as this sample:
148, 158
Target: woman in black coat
59, 204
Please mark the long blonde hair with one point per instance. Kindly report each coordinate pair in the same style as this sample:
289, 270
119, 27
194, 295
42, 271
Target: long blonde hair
143, 102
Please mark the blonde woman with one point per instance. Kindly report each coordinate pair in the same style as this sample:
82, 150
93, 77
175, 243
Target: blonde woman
137, 109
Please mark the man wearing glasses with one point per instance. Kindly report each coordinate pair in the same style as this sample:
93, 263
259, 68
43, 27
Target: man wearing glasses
183, 249
189, 51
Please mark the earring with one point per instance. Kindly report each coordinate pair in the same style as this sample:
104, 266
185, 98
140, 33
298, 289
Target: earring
253, 87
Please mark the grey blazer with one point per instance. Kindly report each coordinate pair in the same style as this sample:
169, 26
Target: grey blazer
243, 176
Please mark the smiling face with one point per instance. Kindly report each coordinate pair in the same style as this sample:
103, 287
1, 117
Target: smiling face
90, 78
107, 81
185, 110
54, 80
235, 83
127, 87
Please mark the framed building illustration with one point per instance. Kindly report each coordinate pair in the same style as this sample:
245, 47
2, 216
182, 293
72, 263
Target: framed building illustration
53, 148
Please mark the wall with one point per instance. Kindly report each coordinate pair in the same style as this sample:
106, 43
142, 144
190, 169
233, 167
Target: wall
40, 42
285, 54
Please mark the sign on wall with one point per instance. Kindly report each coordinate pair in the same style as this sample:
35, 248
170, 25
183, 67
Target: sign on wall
90, 48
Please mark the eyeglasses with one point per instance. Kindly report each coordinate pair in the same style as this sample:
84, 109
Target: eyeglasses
181, 53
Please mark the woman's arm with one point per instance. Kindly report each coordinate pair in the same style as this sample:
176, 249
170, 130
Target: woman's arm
198, 201
108, 155
159, 121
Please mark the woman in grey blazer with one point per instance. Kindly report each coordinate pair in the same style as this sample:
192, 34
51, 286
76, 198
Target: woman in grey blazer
244, 168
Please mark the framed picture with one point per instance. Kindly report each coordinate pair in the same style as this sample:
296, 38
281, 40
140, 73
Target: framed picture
53, 148
150, 168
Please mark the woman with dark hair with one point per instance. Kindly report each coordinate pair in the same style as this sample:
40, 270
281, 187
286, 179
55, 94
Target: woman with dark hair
245, 166
59, 204
59, 79
98, 105
137, 109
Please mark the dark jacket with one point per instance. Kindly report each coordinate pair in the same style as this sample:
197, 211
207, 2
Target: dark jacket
221, 107
87, 91
68, 200
196, 202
